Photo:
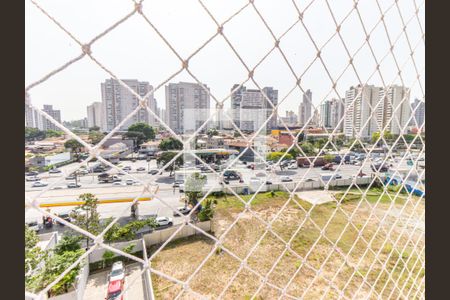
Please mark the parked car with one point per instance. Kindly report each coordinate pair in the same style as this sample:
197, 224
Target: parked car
119, 183
293, 166
182, 210
115, 288
58, 187
54, 171
286, 178
73, 185
39, 184
32, 178
65, 216
70, 177
130, 182
140, 169
177, 183
117, 272
164, 221
126, 168
379, 168
83, 172
32, 173
153, 172
309, 179
337, 176
328, 167
33, 225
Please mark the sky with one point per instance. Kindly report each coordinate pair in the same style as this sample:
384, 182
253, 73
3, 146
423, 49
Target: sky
133, 50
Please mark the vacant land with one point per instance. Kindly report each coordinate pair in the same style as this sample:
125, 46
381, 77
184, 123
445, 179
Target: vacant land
368, 247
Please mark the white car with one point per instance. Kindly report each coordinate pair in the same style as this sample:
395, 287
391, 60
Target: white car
39, 184
130, 182
33, 225
140, 169
293, 166
32, 178
73, 185
118, 183
164, 221
117, 272
286, 178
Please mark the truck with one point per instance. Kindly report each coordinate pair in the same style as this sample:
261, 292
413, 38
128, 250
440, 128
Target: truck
105, 178
304, 162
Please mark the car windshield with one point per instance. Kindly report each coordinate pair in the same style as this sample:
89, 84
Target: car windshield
113, 295
117, 272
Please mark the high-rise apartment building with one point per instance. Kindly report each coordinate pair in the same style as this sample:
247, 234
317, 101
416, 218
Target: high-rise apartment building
396, 108
55, 114
95, 115
33, 118
419, 113
305, 108
290, 119
362, 114
118, 102
187, 106
331, 113
251, 108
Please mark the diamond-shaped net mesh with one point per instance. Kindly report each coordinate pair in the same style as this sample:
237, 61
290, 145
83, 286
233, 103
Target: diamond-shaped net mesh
367, 241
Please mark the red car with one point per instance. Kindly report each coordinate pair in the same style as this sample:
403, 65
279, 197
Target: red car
115, 288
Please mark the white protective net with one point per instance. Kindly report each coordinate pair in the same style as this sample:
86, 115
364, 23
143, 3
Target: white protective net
367, 242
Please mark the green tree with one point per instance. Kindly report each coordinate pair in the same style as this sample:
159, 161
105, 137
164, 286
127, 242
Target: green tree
53, 266
294, 151
388, 136
170, 144
53, 133
69, 242
32, 134
166, 157
328, 158
409, 137
276, 156
95, 136
320, 143
74, 146
128, 249
145, 129
207, 213
86, 216
107, 257
137, 137
94, 128
307, 148
212, 132
236, 134
33, 254
193, 187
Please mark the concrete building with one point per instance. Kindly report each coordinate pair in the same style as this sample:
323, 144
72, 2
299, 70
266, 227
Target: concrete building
360, 101
250, 108
305, 108
118, 102
95, 115
187, 106
396, 109
419, 113
32, 118
331, 113
290, 119
55, 114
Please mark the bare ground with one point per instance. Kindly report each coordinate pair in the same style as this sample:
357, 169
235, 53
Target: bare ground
367, 250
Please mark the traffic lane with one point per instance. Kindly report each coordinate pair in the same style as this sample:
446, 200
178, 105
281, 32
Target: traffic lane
161, 205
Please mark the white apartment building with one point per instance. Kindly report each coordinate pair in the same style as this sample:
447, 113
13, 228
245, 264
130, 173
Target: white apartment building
118, 102
419, 113
95, 115
360, 102
187, 106
331, 113
396, 108
33, 118
55, 114
305, 108
255, 109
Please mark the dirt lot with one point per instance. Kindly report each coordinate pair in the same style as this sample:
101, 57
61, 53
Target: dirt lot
384, 259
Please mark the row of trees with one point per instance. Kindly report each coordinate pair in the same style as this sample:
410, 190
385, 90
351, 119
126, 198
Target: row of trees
34, 134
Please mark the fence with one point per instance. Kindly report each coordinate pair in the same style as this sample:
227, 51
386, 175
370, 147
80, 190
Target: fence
372, 247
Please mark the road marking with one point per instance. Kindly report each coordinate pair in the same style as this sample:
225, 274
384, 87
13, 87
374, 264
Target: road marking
104, 201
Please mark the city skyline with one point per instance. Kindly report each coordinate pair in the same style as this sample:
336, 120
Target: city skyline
144, 62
